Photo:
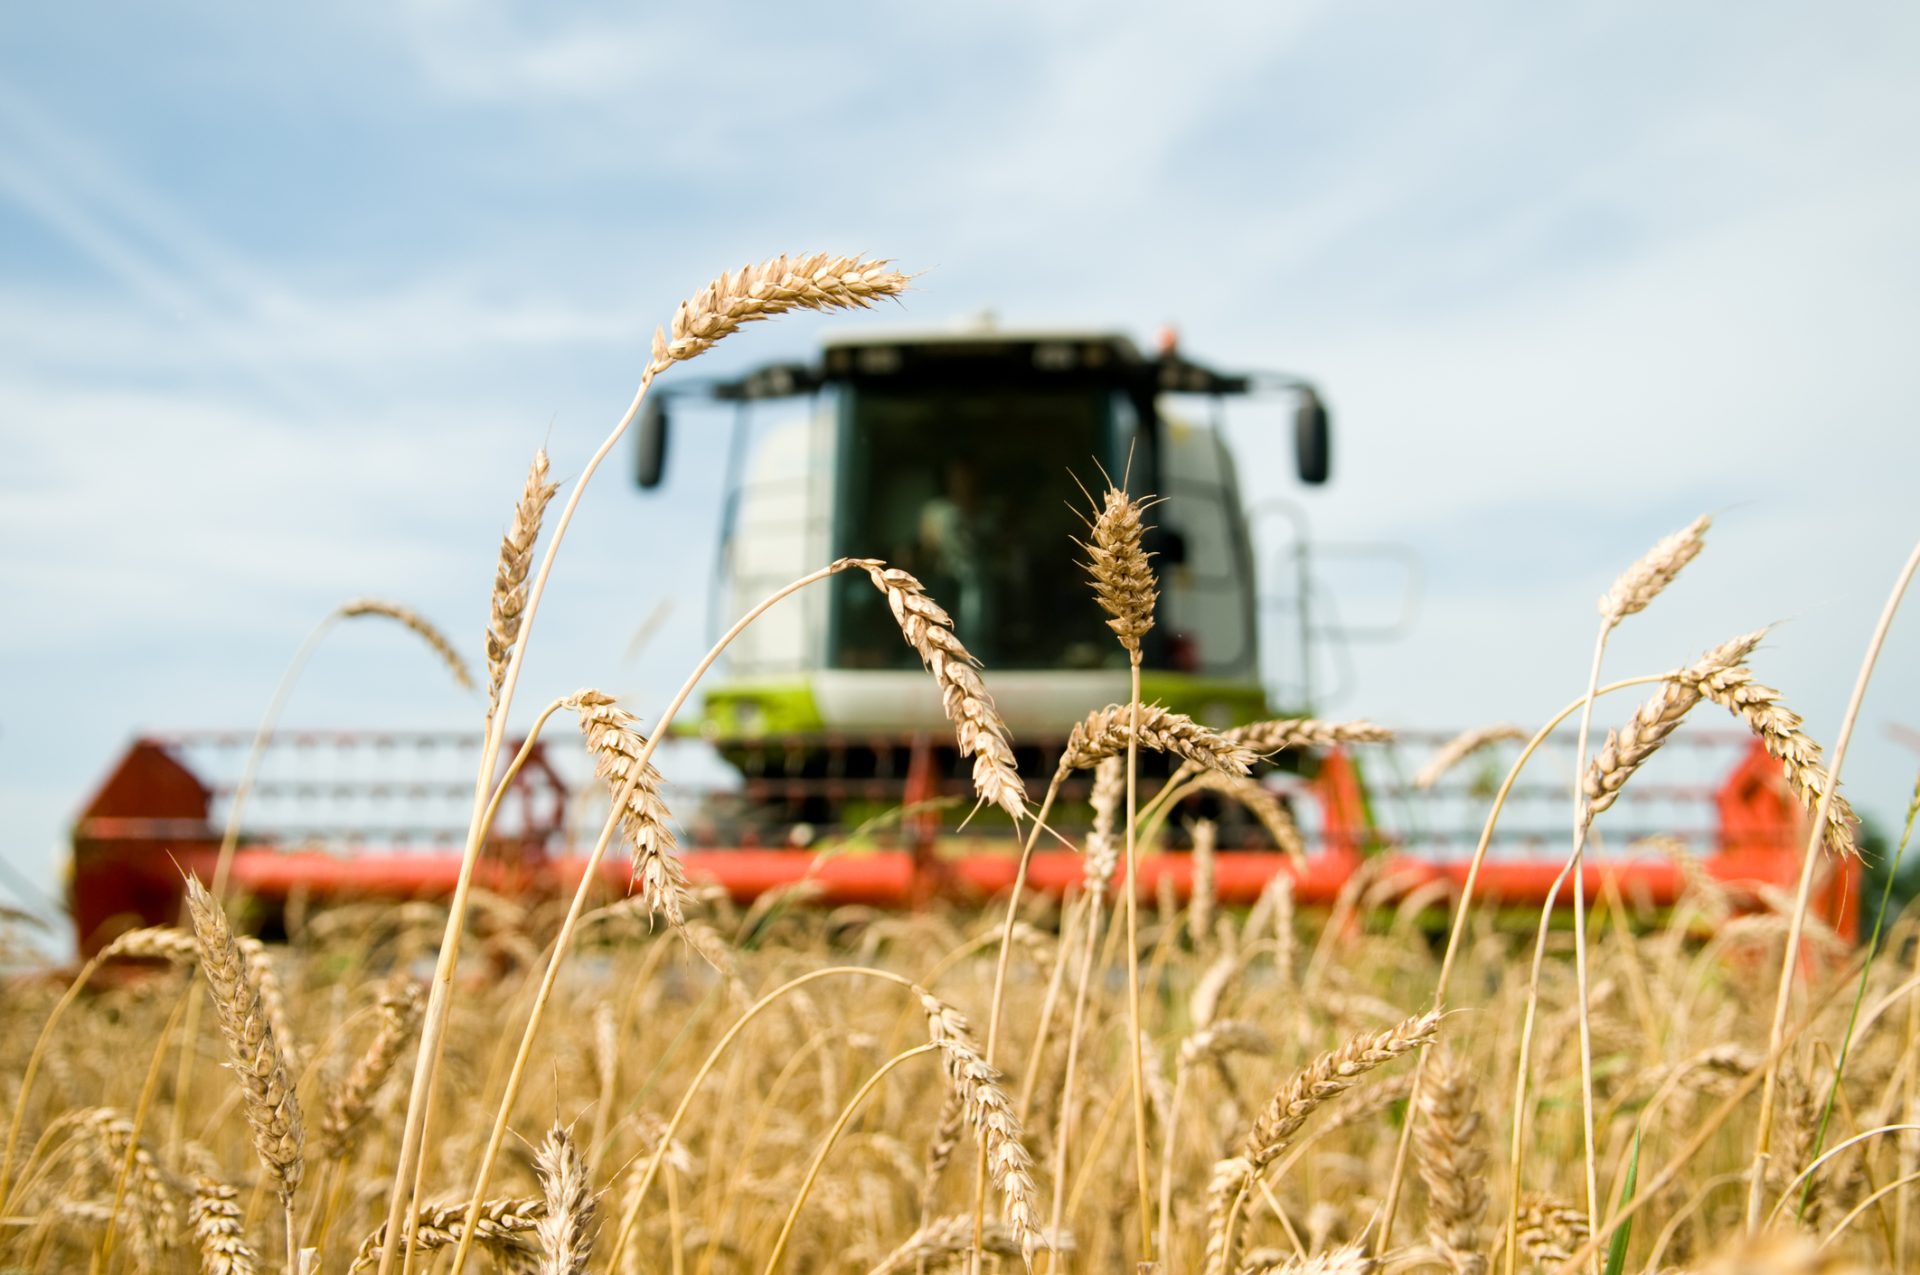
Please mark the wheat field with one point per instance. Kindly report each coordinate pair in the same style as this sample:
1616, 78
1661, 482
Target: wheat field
668, 1082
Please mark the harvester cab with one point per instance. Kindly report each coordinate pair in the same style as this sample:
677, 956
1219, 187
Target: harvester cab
966, 458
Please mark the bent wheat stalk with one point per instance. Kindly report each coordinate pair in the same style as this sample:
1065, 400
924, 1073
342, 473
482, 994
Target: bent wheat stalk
1762, 1138
817, 282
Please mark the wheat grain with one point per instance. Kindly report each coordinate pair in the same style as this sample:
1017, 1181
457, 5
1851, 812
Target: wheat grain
509, 600
273, 1110
775, 286
419, 626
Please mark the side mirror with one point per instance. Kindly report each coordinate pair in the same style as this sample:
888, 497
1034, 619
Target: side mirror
651, 459
1312, 439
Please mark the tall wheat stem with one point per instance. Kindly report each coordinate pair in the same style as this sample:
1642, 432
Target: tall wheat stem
713, 1057
999, 990
1063, 1136
1762, 1140
1137, 1062
1457, 931
1582, 820
635, 772
833, 1135
403, 1201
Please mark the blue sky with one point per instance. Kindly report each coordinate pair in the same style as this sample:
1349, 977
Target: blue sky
287, 297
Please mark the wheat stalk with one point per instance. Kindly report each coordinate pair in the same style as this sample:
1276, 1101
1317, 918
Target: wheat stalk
509, 601
260, 1066
398, 1013
978, 728
419, 626
614, 739
813, 282
565, 1228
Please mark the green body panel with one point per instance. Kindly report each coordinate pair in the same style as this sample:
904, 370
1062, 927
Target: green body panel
1211, 702
768, 708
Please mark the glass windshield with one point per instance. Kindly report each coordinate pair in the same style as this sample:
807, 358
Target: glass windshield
972, 489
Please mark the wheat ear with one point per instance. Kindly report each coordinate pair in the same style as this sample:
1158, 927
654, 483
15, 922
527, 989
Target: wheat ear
565, 1229
1642, 582
977, 725
990, 1113
510, 576
154, 1203
273, 1110
944, 1241
398, 1014
1778, 728
220, 1226
1453, 1163
1102, 851
1550, 1229
419, 626
1273, 1130
1628, 748
1461, 747
814, 282
1348, 1259
505, 1228
613, 737
1120, 570
1106, 731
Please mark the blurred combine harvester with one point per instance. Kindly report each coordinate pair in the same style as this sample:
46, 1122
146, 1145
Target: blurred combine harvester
950, 455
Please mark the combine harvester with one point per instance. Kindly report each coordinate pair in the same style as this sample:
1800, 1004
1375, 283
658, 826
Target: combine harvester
949, 455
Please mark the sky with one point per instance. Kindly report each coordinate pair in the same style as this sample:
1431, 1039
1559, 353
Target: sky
288, 296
